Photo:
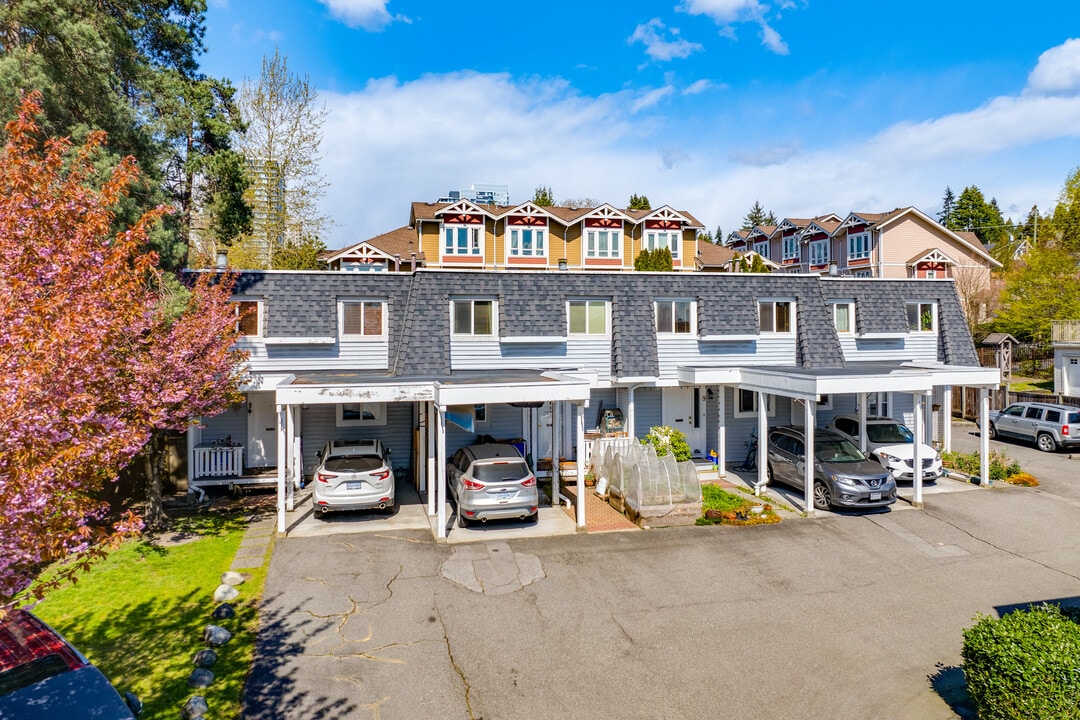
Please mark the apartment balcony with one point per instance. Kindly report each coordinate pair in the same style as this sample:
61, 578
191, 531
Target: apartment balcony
1065, 331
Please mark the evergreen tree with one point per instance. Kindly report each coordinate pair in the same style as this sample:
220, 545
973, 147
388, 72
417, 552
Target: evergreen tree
1067, 213
973, 213
758, 265
947, 204
639, 202
718, 238
544, 196
758, 216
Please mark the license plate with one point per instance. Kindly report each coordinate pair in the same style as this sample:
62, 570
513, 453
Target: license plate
875, 496
504, 496
354, 485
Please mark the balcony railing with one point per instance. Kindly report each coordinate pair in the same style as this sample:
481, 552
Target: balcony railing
218, 462
1065, 331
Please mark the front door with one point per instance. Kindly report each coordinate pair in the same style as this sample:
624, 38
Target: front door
678, 411
262, 431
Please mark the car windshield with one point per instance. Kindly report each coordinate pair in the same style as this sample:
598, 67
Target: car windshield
888, 433
353, 463
500, 471
837, 451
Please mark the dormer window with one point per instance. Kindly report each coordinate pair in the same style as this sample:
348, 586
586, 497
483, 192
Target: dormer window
858, 246
657, 239
819, 252
776, 316
921, 317
844, 316
588, 317
675, 317
475, 318
249, 318
762, 248
462, 239
791, 248
527, 242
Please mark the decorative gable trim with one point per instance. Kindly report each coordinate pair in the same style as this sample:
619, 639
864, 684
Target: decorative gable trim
666, 217
462, 208
530, 210
363, 252
607, 215
933, 255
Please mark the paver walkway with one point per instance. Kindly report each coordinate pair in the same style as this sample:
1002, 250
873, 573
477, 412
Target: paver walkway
252, 551
599, 515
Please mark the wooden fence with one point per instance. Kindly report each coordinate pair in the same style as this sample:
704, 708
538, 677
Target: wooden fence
966, 400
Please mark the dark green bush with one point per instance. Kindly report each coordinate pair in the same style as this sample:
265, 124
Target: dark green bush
1001, 466
1025, 666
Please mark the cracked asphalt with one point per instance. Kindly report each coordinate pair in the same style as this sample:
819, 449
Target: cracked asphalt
842, 617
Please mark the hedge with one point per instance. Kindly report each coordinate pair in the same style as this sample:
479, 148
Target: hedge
1025, 666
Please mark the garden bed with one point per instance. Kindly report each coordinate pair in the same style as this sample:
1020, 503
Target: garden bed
969, 466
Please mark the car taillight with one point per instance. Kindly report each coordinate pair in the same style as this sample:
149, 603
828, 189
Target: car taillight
528, 482
472, 484
323, 477
383, 475
1064, 429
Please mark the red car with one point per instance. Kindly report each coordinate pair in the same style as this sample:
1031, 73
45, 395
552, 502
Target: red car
43, 677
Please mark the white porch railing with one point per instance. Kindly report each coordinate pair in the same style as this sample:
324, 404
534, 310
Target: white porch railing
218, 462
1065, 331
601, 444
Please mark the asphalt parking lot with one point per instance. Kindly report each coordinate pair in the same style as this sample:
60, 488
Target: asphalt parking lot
840, 616
1057, 472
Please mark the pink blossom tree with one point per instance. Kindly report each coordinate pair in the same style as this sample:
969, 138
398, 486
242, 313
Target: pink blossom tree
90, 363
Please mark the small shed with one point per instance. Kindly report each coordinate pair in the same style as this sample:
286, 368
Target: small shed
1003, 346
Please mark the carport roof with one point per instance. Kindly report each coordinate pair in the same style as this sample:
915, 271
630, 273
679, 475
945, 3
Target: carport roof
804, 382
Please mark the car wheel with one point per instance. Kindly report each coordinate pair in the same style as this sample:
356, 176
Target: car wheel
535, 517
991, 431
1046, 442
822, 496
462, 521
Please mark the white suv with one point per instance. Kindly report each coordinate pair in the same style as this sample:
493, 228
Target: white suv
891, 443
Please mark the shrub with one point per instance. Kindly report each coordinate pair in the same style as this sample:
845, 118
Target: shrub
969, 464
1022, 479
666, 439
1025, 665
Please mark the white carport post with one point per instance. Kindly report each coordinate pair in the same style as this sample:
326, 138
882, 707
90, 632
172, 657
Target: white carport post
290, 459
630, 430
946, 419
721, 430
916, 461
809, 419
432, 456
421, 442
281, 449
984, 436
440, 478
862, 423
579, 453
762, 444
556, 452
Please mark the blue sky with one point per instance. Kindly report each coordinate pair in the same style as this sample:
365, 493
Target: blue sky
809, 106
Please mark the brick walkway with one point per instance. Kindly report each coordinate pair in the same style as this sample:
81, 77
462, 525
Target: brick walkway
599, 516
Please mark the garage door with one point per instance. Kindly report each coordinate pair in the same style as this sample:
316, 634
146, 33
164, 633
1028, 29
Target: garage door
1072, 375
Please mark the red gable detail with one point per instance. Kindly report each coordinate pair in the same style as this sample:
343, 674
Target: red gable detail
662, 225
464, 220
603, 222
526, 220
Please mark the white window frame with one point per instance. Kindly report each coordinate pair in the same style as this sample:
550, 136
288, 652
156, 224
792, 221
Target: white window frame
922, 308
474, 239
930, 274
516, 241
761, 247
737, 406
376, 409
472, 334
773, 302
859, 246
862, 273
819, 252
655, 239
585, 303
260, 317
480, 414
342, 335
592, 243
790, 248
850, 304
672, 331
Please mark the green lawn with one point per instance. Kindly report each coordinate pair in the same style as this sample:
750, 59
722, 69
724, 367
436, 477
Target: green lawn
139, 617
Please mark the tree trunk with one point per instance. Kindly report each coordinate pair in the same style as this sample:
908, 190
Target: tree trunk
154, 517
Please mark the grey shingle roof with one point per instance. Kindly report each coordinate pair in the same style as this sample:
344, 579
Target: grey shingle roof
301, 304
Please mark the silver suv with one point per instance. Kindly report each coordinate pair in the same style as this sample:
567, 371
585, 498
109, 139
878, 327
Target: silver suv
491, 481
1048, 426
843, 476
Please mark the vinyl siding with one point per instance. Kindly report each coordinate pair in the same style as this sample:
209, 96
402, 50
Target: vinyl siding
767, 350
318, 425
230, 424
594, 355
343, 355
916, 346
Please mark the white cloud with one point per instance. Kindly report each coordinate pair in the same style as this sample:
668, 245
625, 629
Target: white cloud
727, 13
651, 34
697, 87
647, 100
393, 143
370, 15
1058, 70
242, 35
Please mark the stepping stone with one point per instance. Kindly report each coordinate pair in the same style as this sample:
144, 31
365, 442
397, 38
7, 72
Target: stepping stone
225, 593
194, 708
232, 578
224, 611
216, 635
200, 678
205, 658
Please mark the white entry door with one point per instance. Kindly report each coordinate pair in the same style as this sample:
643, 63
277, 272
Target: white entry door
262, 430
677, 408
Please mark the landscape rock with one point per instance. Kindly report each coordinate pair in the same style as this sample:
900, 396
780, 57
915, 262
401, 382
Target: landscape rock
200, 678
232, 577
194, 708
225, 593
216, 635
205, 658
224, 611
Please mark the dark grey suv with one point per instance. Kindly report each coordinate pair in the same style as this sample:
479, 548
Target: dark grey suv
843, 476
1048, 426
